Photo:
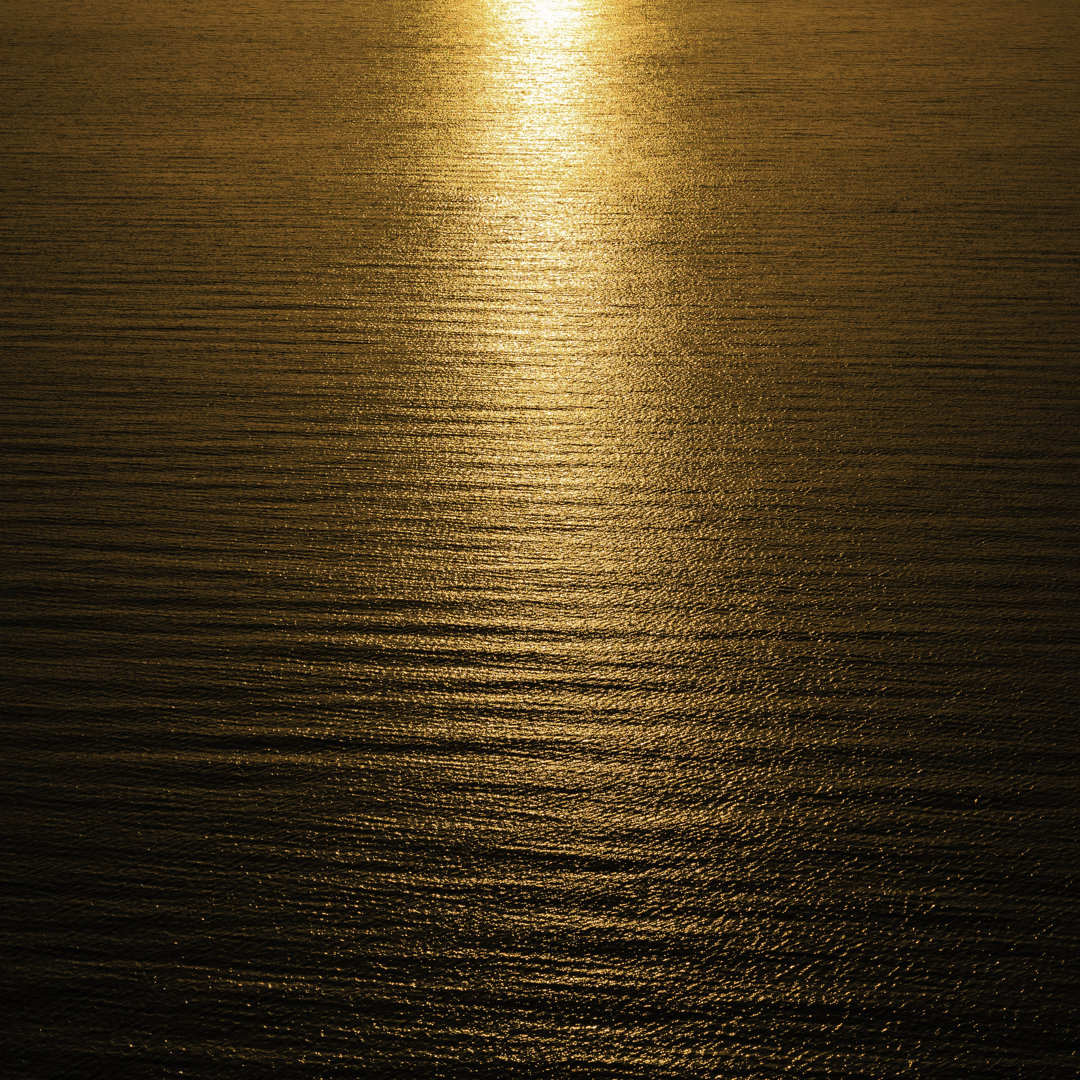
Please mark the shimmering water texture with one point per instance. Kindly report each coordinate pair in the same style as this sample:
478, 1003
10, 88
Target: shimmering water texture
540, 539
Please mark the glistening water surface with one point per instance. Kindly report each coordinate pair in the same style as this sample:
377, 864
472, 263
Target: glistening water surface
540, 538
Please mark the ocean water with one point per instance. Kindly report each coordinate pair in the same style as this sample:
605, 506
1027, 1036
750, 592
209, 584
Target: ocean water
540, 538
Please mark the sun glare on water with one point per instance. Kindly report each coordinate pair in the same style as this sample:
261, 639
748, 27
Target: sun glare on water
546, 14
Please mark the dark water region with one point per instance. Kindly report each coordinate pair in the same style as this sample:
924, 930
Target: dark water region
540, 539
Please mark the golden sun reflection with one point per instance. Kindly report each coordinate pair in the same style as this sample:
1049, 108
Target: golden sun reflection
552, 306
546, 14
540, 75
559, 476
560, 363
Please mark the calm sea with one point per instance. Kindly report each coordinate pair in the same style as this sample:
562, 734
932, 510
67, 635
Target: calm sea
540, 539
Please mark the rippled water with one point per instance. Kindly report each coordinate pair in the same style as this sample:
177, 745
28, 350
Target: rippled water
540, 538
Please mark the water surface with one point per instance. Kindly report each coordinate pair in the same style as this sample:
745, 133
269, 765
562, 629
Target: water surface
540, 538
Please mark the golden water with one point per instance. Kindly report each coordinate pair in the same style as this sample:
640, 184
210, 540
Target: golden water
540, 538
